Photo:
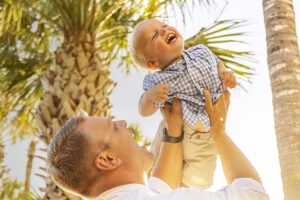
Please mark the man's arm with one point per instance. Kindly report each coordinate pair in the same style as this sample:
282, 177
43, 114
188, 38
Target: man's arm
169, 165
234, 162
158, 93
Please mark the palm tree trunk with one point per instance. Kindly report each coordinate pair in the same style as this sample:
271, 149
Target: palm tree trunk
79, 79
30, 156
284, 70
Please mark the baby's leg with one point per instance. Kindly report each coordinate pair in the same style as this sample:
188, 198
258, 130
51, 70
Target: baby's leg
199, 159
199, 156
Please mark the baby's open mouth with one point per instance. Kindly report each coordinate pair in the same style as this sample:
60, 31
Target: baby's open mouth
171, 37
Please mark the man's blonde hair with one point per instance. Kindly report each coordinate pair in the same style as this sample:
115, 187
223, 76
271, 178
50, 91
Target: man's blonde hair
65, 159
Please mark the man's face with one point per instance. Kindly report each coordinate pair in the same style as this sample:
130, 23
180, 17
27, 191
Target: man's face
159, 42
120, 141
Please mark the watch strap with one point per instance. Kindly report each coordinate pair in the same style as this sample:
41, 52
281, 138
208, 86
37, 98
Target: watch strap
167, 138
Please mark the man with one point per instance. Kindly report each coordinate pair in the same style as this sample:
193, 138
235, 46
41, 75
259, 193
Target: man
98, 158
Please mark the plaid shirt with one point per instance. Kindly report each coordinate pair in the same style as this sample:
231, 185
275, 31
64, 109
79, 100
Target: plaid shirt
188, 77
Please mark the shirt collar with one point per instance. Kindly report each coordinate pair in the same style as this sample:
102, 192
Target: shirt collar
186, 54
177, 64
122, 191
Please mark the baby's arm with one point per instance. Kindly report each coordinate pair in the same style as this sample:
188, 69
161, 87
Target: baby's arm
158, 93
226, 76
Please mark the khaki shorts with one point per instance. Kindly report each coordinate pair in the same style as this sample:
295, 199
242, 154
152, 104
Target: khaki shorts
199, 156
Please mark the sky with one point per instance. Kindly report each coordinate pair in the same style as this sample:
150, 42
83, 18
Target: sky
250, 118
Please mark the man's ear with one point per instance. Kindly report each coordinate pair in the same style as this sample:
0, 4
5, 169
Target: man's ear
152, 64
107, 161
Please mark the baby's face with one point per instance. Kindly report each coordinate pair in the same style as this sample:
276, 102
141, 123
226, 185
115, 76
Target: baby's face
160, 43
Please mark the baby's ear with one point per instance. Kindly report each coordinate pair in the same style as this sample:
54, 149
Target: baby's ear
152, 64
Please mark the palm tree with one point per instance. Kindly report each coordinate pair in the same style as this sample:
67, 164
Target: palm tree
30, 156
284, 69
90, 35
11, 188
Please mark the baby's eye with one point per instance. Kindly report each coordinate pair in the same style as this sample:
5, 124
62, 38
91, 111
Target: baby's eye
154, 36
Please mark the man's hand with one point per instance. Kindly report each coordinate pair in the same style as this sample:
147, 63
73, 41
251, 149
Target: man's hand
158, 93
228, 78
235, 163
217, 113
173, 116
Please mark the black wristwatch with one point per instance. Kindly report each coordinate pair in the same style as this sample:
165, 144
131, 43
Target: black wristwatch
167, 138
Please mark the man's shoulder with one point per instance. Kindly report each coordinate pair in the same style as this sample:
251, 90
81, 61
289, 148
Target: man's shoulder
158, 186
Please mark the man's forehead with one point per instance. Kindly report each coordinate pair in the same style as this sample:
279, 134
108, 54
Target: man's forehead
97, 128
92, 123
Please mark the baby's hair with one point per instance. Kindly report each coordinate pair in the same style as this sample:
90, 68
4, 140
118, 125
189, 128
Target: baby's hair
138, 56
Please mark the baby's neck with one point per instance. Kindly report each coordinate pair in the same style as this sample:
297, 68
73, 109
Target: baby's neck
169, 63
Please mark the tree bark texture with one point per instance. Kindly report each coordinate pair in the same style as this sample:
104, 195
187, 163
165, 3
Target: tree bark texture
284, 71
79, 79
30, 156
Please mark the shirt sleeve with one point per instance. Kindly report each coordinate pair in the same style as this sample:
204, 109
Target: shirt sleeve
240, 189
147, 83
158, 186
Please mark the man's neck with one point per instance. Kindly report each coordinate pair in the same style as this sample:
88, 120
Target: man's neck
109, 182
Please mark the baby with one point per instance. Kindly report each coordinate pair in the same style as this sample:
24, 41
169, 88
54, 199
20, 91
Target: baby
182, 74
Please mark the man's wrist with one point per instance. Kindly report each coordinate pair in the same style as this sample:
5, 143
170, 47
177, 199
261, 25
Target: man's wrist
171, 139
215, 133
175, 131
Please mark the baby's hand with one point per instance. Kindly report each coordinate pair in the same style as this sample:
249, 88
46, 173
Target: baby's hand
228, 79
159, 93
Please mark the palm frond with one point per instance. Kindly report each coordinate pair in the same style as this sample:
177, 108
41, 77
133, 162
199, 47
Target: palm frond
13, 189
138, 136
27, 26
219, 34
24, 55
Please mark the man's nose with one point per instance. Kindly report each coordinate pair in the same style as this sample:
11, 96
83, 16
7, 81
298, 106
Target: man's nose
122, 123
